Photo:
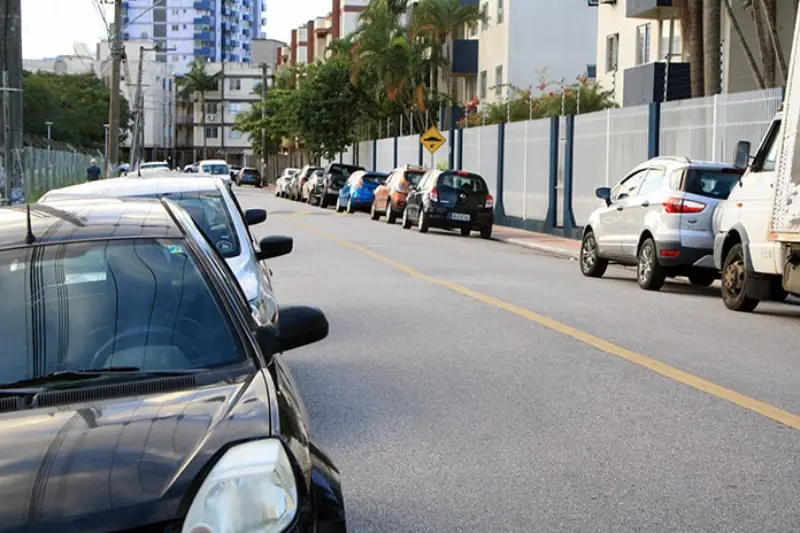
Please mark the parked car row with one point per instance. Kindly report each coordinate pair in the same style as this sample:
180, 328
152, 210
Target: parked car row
419, 196
150, 305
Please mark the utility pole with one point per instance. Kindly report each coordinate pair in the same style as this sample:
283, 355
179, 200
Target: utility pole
264, 169
117, 51
137, 123
11, 172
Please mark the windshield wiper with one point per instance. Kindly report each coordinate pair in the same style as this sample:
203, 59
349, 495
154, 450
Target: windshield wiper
92, 373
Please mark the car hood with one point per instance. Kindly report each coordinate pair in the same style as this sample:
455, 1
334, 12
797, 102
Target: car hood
247, 274
123, 463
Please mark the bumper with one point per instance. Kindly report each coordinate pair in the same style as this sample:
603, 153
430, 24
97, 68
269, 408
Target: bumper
673, 254
249, 181
363, 198
445, 217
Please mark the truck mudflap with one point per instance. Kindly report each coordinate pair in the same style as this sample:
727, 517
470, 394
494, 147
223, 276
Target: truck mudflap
791, 270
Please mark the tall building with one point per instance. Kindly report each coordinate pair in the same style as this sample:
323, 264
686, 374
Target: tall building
215, 30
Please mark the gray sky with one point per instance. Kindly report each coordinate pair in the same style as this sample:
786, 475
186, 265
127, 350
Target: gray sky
50, 27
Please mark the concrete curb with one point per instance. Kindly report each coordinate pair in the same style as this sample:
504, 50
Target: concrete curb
545, 248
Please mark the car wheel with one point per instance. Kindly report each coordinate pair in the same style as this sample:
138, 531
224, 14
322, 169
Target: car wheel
486, 232
339, 207
702, 277
391, 214
734, 282
238, 184
259, 185
465, 232
350, 207
406, 221
323, 200
649, 274
373, 212
423, 224
592, 265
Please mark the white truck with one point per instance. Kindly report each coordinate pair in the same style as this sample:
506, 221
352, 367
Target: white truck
757, 229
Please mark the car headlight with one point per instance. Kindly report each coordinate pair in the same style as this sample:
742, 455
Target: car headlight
251, 489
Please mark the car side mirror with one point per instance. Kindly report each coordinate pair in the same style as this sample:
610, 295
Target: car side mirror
296, 326
742, 157
274, 246
255, 216
604, 193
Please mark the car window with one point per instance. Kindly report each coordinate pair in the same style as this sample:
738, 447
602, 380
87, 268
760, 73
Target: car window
712, 183
413, 177
142, 303
344, 170
215, 169
373, 179
628, 186
471, 183
675, 179
653, 181
772, 154
389, 179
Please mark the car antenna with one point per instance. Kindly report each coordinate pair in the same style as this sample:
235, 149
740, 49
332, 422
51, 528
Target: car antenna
30, 238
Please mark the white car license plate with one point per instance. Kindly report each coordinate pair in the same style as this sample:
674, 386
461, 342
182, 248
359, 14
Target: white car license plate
461, 217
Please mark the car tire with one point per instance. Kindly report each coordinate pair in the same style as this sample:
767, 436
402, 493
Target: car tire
391, 214
406, 221
465, 232
649, 273
259, 185
734, 282
702, 277
486, 232
373, 212
323, 200
423, 224
592, 265
350, 208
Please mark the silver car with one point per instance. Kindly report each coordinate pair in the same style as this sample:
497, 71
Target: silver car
282, 184
659, 218
217, 213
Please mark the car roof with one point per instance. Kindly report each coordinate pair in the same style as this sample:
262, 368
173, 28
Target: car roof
135, 187
87, 219
213, 162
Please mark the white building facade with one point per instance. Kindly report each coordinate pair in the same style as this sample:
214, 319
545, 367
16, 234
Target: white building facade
185, 29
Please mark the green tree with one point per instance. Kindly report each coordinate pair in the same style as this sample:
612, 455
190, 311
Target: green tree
76, 104
199, 81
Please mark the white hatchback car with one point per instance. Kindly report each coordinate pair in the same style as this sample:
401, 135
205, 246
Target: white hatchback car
216, 167
218, 215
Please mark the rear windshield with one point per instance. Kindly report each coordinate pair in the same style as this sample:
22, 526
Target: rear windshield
469, 183
413, 176
373, 179
140, 303
250, 172
344, 170
712, 183
215, 169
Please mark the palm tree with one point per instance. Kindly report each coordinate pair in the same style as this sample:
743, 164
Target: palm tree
751, 60
199, 81
711, 44
441, 20
764, 13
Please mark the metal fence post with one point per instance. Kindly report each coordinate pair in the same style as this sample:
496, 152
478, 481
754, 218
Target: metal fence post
341, 157
499, 208
714, 123
396, 141
460, 152
569, 160
654, 129
552, 185
419, 154
375, 155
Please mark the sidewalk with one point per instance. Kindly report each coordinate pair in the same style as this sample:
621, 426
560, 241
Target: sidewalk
540, 242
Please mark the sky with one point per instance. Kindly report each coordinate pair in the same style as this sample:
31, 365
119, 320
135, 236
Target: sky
50, 27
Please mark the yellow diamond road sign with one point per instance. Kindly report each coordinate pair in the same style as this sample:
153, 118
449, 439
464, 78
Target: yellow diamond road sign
432, 139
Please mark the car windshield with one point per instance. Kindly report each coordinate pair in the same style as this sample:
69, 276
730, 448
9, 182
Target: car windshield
139, 303
215, 169
344, 170
712, 183
469, 183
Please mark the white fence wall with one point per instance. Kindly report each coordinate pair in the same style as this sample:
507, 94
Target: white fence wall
526, 168
408, 150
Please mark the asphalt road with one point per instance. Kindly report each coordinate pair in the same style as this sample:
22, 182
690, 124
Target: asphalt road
474, 386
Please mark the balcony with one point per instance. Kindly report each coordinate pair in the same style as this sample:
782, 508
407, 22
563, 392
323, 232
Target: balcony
645, 83
234, 43
204, 51
234, 58
205, 36
207, 5
246, 17
465, 57
649, 9
205, 20
321, 26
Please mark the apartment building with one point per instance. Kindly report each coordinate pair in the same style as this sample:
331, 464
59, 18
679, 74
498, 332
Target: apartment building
216, 30
233, 94
640, 54
158, 92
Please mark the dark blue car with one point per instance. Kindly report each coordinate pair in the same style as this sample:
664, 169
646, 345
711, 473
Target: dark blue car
249, 176
359, 191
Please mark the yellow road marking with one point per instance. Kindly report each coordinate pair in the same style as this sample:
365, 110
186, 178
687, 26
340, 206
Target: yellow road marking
671, 372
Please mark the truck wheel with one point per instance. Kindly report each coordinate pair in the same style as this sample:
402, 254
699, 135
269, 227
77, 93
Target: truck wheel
734, 278
702, 277
649, 273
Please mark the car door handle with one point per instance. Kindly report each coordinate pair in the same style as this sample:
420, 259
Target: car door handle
645, 204
619, 208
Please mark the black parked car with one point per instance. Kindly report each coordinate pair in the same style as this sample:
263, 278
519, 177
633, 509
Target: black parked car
335, 175
136, 392
451, 199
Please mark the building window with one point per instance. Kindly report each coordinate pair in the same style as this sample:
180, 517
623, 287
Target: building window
211, 108
175, 27
212, 133
235, 109
498, 80
643, 44
677, 42
235, 84
233, 134
485, 13
612, 52
484, 87
215, 86
499, 11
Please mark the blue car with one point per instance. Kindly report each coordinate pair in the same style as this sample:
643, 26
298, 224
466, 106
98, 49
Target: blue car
359, 190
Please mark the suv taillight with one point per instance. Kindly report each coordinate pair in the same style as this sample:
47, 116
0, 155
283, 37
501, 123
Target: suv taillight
677, 205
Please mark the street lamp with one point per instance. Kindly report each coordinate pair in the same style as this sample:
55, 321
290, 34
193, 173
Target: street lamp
49, 133
267, 81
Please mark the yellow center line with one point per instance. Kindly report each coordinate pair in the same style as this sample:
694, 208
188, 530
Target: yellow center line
671, 372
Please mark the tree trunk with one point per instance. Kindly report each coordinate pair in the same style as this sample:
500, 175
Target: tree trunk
450, 86
770, 10
696, 47
203, 123
764, 46
711, 44
751, 60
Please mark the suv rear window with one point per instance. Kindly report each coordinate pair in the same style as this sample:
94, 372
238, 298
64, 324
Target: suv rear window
413, 176
712, 183
373, 179
468, 183
250, 172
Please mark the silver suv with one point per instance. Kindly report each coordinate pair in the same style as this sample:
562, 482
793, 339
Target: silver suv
659, 218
